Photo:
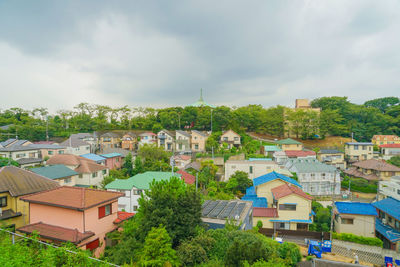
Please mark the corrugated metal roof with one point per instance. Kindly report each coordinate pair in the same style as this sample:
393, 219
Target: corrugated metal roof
273, 176
93, 157
390, 206
288, 141
307, 167
356, 208
390, 233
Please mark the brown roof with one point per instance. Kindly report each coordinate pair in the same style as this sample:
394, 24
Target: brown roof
73, 197
299, 153
19, 182
379, 165
84, 165
356, 173
56, 233
287, 189
265, 212
187, 177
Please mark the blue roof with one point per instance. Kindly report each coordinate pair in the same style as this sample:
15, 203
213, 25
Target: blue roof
258, 202
356, 208
301, 221
93, 157
390, 206
260, 159
388, 232
251, 191
273, 176
111, 155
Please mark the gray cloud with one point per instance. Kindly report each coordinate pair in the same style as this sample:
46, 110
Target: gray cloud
160, 53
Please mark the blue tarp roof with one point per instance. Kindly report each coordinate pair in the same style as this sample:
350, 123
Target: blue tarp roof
251, 191
273, 176
93, 157
390, 206
272, 148
111, 155
301, 221
356, 208
258, 202
388, 232
260, 159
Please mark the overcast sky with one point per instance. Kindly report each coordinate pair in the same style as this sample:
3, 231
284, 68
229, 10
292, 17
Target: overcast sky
56, 54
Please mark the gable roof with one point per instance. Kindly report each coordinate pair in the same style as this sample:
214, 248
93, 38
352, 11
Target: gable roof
200, 133
74, 142
20, 182
273, 176
84, 165
378, 165
76, 198
141, 180
170, 133
230, 131
147, 134
187, 177
390, 206
288, 141
183, 133
352, 171
123, 216
47, 146
286, 189
299, 153
312, 167
54, 171
15, 148
358, 208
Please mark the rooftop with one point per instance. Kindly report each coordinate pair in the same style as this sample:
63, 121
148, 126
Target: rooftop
299, 153
224, 209
111, 155
390, 206
84, 165
201, 102
94, 157
187, 177
354, 172
360, 143
375, 164
330, 151
273, 176
123, 216
265, 212
271, 148
286, 190
358, 208
141, 180
15, 148
54, 171
390, 146
288, 141
312, 167
74, 142
387, 231
76, 198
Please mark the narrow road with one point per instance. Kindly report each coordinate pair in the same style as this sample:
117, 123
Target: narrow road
260, 139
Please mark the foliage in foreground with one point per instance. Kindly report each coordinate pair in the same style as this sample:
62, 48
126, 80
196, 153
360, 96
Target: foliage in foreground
371, 241
322, 218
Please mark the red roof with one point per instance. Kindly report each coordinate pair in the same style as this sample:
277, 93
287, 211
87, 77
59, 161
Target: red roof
183, 157
56, 233
299, 153
187, 177
287, 189
390, 146
69, 197
265, 212
123, 215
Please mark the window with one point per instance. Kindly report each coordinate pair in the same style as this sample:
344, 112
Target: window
137, 191
196, 147
370, 148
390, 219
21, 155
61, 152
93, 245
347, 221
104, 172
225, 138
50, 152
398, 191
94, 174
364, 148
251, 169
180, 146
3, 201
135, 208
236, 138
80, 175
287, 206
105, 211
356, 147
117, 159
397, 225
67, 180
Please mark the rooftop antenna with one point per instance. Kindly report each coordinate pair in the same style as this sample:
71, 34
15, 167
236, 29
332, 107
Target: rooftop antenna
201, 94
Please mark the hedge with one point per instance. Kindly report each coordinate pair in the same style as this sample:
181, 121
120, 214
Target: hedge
371, 241
359, 185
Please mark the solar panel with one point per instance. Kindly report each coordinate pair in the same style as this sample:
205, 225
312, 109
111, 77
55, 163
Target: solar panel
209, 208
217, 210
206, 203
237, 210
225, 213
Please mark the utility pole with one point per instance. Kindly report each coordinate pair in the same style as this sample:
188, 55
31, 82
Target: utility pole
211, 119
47, 128
333, 206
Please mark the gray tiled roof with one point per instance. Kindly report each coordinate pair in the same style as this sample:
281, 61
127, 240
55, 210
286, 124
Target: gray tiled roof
303, 167
17, 148
183, 133
330, 151
74, 142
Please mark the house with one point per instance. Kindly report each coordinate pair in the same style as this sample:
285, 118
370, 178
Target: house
187, 177
230, 138
14, 184
89, 138
355, 218
289, 144
389, 188
195, 166
76, 146
26, 156
134, 186
182, 160
113, 160
147, 138
254, 168
166, 140
387, 225
15, 142
373, 169
129, 141
49, 150
269, 151
390, 150
109, 140
215, 213
90, 173
316, 178
121, 151
279, 202
332, 157
355, 151
198, 141
378, 140
281, 157
182, 141
59, 173
81, 216
96, 158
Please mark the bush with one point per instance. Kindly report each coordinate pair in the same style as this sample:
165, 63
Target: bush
359, 185
371, 241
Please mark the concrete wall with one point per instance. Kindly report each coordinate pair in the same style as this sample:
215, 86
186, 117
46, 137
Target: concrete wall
362, 153
258, 168
362, 225
264, 190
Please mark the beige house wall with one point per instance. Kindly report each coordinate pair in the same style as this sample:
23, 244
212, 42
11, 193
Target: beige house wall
198, 142
362, 225
296, 147
253, 168
229, 136
264, 190
16, 205
302, 212
361, 153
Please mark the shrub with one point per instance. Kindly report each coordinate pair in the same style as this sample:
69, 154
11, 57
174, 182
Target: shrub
371, 241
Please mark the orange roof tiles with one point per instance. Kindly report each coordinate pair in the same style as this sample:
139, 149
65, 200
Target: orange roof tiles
73, 197
299, 153
286, 189
123, 215
187, 177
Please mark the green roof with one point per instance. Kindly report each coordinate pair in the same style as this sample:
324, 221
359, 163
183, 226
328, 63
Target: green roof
111, 155
201, 102
288, 141
272, 148
54, 171
141, 180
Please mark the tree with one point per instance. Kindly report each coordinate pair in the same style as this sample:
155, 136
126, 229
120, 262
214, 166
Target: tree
395, 161
157, 249
207, 172
239, 181
138, 166
7, 161
128, 165
383, 103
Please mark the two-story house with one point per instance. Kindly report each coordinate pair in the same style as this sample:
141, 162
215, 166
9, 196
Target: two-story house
109, 140
315, 177
198, 142
230, 138
166, 140
91, 139
134, 187
49, 150
373, 169
147, 138
15, 142
289, 144
355, 151
355, 218
129, 141
80, 216
14, 184
389, 188
76, 146
59, 173
378, 140
390, 150
281, 157
90, 173
26, 156
113, 160
387, 225
332, 157
279, 203
182, 141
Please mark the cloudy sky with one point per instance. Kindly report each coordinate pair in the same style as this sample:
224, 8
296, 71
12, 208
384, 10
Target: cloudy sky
56, 54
